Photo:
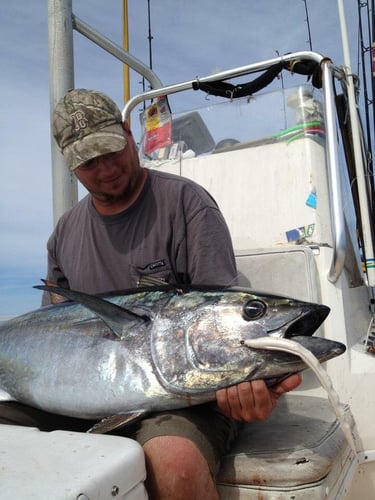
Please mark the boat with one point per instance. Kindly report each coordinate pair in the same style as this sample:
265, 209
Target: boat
296, 191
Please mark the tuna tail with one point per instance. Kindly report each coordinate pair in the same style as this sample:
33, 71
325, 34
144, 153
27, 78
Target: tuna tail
112, 314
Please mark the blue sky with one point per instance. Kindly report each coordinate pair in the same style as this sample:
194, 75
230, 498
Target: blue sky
190, 39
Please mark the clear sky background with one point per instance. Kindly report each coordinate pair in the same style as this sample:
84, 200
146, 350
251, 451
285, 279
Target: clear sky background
190, 38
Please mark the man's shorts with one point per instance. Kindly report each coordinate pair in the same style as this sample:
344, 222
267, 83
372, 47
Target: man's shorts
204, 425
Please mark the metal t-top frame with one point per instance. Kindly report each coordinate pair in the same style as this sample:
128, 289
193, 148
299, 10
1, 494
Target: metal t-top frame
62, 22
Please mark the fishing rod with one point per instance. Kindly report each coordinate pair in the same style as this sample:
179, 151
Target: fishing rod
308, 24
366, 55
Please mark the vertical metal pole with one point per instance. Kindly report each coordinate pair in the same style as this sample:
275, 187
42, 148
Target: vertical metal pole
339, 236
61, 74
125, 44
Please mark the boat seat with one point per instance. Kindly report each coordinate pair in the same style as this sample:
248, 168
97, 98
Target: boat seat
299, 452
289, 271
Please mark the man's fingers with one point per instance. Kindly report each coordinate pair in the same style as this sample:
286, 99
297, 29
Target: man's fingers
287, 385
253, 400
246, 401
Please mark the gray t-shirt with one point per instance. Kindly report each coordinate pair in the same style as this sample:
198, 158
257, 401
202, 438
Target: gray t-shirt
173, 231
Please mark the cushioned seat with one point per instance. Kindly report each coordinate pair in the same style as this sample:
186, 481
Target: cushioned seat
299, 447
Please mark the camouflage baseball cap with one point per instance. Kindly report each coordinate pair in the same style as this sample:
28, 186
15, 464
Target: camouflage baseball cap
86, 124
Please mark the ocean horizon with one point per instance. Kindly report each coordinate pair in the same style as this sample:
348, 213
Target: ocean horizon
17, 295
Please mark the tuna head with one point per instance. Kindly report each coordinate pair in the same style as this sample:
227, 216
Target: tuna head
215, 326
258, 314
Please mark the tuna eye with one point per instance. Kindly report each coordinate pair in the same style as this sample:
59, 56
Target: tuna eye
254, 309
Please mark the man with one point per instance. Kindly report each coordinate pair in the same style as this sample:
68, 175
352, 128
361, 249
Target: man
138, 223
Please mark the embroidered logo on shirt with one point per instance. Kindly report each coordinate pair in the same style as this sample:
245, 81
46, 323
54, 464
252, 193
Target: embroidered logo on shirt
156, 265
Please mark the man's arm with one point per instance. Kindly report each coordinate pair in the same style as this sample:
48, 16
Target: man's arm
54, 273
210, 252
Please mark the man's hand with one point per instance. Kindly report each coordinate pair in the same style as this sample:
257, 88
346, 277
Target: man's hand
253, 400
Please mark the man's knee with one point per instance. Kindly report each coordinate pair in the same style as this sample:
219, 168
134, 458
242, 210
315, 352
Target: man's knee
175, 464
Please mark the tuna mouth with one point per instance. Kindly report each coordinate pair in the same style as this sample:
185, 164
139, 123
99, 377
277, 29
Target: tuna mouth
307, 322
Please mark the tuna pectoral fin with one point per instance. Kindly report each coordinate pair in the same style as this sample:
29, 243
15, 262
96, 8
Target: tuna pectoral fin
112, 315
116, 421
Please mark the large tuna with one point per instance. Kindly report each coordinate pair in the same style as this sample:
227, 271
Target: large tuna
150, 349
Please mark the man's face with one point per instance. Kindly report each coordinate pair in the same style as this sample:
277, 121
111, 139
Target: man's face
111, 177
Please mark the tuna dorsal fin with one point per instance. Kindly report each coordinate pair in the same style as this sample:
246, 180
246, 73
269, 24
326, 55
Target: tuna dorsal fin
112, 314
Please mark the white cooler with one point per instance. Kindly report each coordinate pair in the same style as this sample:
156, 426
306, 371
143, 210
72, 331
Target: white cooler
61, 465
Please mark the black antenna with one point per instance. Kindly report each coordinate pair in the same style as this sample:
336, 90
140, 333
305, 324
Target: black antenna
150, 37
308, 24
